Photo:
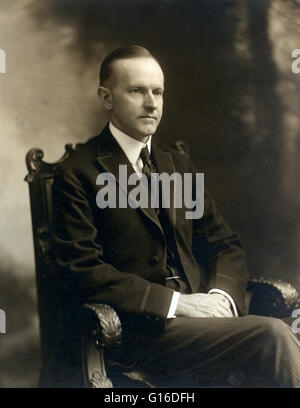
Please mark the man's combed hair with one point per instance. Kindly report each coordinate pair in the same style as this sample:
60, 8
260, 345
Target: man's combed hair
131, 51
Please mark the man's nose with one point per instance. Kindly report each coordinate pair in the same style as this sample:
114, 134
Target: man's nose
150, 101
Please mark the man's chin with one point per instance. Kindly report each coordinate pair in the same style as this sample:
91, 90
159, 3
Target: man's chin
148, 130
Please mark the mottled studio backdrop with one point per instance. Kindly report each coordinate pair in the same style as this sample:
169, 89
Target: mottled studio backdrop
231, 94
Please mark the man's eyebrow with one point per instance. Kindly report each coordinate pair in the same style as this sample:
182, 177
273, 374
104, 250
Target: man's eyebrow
145, 87
136, 86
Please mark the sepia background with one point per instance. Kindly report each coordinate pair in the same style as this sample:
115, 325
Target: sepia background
230, 93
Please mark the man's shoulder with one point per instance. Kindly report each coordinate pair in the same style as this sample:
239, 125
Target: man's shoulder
179, 152
82, 152
80, 160
177, 147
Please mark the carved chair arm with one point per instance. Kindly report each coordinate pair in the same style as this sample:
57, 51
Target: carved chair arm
105, 324
274, 298
101, 329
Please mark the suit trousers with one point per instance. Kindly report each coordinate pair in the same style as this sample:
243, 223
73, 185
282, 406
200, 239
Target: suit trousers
248, 351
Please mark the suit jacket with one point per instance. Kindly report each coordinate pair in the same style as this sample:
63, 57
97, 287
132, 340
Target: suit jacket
118, 255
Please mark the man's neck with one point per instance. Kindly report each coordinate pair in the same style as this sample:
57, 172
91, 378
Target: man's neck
130, 146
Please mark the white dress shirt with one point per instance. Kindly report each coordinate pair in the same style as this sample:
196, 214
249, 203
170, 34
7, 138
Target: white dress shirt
132, 149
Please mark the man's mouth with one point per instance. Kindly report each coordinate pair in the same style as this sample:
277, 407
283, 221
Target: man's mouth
147, 117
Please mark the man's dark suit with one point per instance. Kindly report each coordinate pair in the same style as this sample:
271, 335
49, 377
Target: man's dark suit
118, 255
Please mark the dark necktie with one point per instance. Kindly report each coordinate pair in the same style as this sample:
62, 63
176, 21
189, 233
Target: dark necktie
148, 169
148, 166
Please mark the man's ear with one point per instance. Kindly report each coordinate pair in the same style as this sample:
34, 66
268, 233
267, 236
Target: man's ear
104, 94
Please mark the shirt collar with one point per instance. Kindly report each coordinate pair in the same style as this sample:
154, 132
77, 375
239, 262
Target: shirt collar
130, 146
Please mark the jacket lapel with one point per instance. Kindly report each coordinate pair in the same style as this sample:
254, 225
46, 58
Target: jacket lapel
110, 156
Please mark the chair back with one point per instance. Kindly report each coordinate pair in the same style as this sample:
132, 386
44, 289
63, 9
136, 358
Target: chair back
40, 180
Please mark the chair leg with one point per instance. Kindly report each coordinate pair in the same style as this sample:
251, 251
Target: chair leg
93, 365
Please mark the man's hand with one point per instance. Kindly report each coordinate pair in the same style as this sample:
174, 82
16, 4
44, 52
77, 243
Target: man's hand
203, 305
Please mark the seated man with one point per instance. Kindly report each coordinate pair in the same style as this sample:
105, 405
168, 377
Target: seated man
177, 282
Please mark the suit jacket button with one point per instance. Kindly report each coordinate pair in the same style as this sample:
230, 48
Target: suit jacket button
154, 260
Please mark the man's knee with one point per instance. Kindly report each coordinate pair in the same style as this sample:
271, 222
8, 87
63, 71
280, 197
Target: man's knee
272, 327
281, 349
275, 334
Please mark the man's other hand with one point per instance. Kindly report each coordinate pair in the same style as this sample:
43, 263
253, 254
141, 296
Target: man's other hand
203, 305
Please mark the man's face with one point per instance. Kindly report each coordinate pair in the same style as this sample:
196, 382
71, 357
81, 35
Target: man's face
137, 96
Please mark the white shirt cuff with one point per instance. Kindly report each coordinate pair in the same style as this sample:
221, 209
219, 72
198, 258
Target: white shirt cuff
228, 297
173, 305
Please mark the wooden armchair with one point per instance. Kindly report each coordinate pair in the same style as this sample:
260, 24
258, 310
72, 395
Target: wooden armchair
101, 328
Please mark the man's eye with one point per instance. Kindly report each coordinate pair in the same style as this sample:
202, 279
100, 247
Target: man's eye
136, 90
158, 92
